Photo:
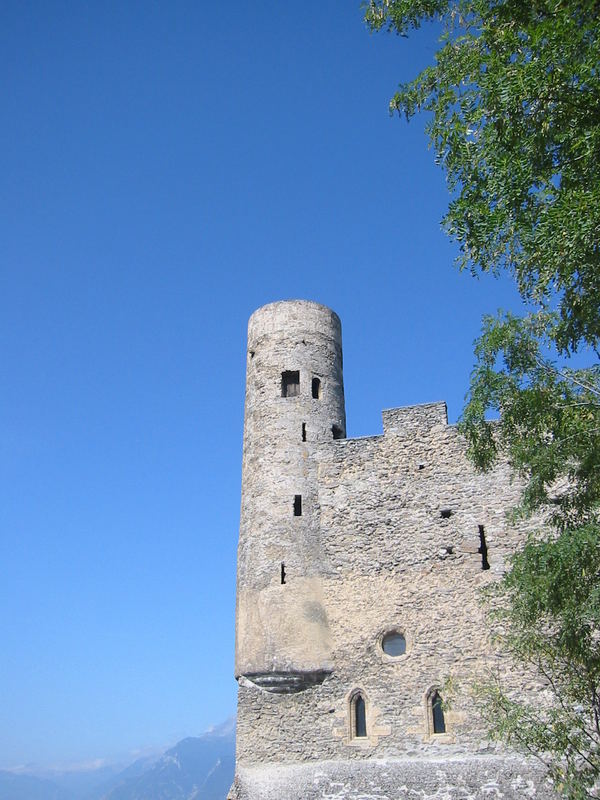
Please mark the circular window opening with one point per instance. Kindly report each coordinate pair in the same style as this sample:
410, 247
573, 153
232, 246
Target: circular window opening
394, 644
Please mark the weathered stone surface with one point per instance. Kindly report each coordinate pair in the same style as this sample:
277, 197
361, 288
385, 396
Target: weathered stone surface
471, 778
390, 538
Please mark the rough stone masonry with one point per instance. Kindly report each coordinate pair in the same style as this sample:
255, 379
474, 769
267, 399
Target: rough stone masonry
359, 568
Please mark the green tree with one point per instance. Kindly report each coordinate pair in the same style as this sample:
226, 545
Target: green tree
513, 98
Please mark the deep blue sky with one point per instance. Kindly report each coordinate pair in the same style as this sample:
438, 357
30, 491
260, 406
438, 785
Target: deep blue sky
168, 167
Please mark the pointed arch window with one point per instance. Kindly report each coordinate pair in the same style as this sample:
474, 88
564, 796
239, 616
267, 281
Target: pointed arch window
363, 724
358, 716
438, 723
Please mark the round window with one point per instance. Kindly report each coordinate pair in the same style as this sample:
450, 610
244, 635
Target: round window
394, 644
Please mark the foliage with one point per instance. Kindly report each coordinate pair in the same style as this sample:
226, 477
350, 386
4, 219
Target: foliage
515, 100
552, 623
550, 417
549, 602
514, 117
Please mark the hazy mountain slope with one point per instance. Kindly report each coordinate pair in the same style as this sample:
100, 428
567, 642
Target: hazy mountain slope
219, 780
25, 787
77, 783
119, 777
198, 768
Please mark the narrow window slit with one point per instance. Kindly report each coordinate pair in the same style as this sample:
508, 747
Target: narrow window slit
297, 505
483, 549
437, 712
360, 717
282, 573
316, 388
304, 431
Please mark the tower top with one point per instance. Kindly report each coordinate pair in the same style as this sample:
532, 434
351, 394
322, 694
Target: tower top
293, 316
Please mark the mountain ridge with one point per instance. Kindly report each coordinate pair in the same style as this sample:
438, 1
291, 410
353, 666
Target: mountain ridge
196, 768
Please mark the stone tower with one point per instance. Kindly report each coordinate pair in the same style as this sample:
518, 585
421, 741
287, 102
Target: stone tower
294, 405
360, 565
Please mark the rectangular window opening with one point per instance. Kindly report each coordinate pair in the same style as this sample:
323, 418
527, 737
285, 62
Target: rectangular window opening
337, 432
304, 431
483, 550
316, 388
297, 505
290, 383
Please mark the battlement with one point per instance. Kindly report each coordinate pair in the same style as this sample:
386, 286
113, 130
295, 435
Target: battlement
408, 419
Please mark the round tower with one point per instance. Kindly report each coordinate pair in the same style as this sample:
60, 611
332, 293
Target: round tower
294, 408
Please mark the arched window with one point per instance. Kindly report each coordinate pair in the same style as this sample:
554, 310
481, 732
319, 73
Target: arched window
359, 721
316, 388
437, 713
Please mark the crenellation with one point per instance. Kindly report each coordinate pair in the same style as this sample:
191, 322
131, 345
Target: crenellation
406, 420
387, 537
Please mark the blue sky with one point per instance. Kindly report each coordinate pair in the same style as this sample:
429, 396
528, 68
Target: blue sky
167, 168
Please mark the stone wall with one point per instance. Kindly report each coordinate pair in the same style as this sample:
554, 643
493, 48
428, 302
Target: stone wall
392, 559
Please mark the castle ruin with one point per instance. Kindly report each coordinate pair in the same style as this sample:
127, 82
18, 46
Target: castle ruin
359, 568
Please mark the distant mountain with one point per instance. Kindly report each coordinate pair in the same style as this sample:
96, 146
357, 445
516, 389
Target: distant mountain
14, 786
79, 783
199, 768
103, 788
